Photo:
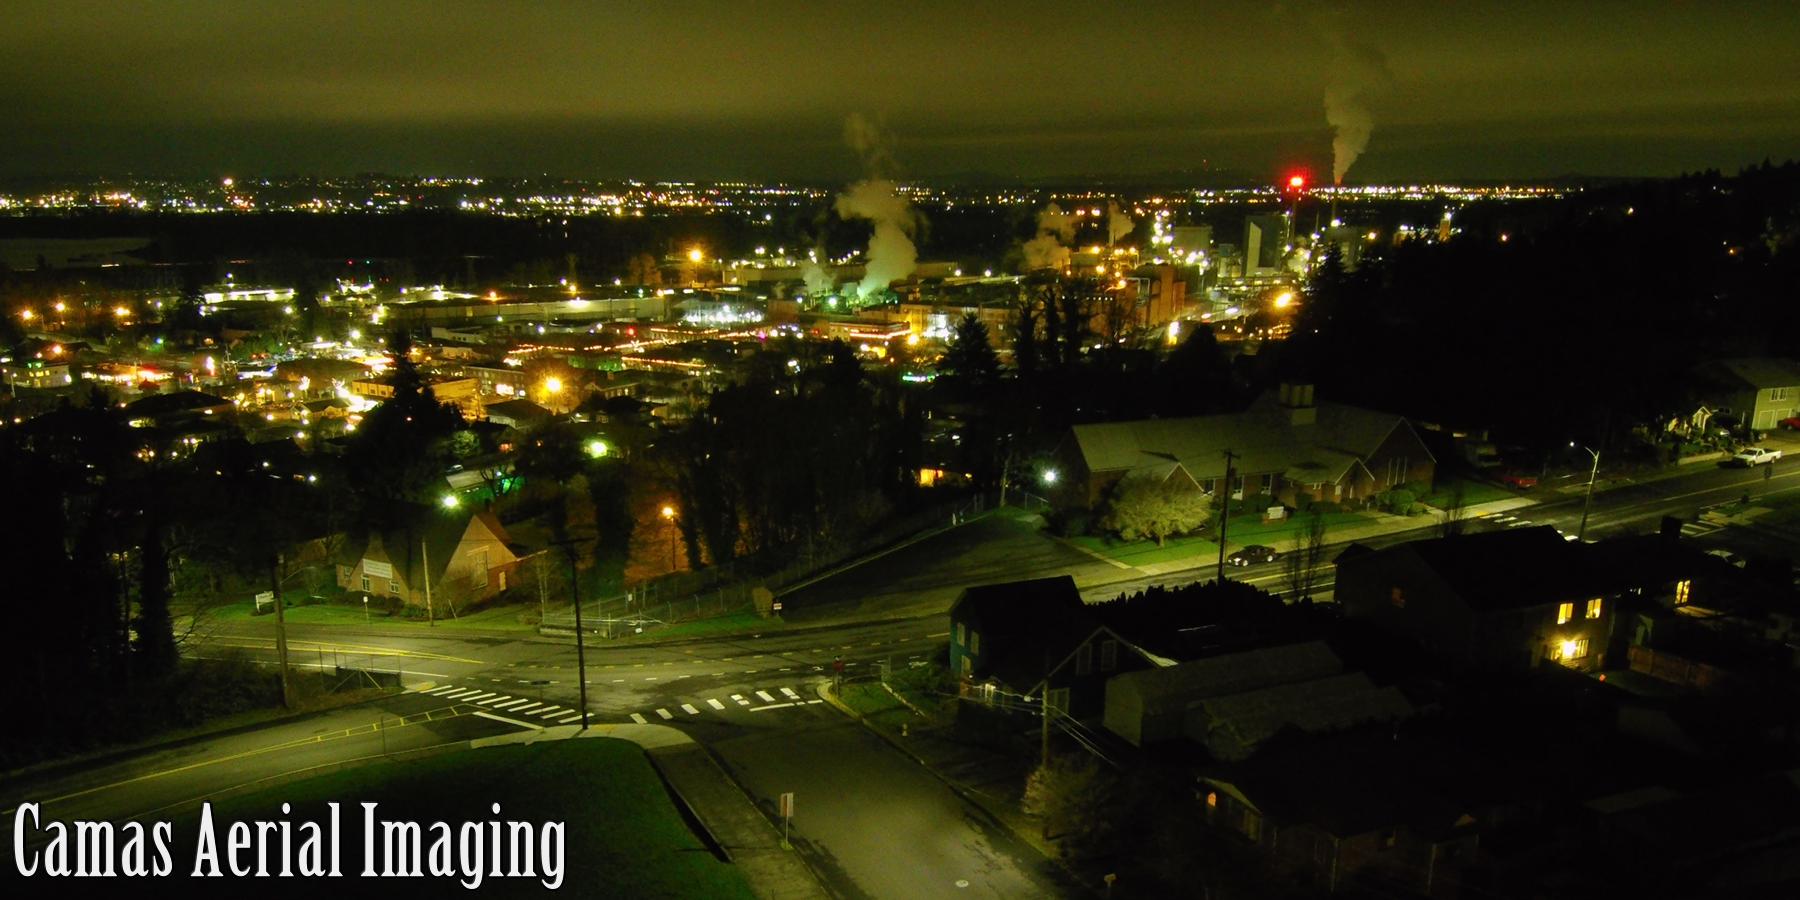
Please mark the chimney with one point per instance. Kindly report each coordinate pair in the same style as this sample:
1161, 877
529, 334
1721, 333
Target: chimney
1297, 401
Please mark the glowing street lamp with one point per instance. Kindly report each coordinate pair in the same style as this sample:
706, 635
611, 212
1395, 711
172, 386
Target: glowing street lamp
553, 384
1049, 476
450, 501
696, 254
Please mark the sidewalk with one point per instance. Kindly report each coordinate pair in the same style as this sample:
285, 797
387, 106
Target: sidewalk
736, 826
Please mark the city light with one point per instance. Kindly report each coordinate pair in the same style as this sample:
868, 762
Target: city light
450, 501
597, 448
1049, 476
553, 384
696, 254
1285, 298
668, 512
1297, 182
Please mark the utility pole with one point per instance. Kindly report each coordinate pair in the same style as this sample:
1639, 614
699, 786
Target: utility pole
287, 697
1225, 511
1588, 500
425, 572
568, 546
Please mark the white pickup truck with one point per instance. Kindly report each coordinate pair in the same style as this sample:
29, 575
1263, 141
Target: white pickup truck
1755, 456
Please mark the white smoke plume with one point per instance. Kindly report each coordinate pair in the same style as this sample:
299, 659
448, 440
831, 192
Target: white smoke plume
1118, 224
1055, 231
818, 281
891, 255
1356, 70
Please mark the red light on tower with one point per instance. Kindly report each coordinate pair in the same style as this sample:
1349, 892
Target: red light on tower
1297, 182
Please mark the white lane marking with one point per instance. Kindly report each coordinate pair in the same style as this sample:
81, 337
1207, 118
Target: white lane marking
446, 689
513, 705
527, 707
689, 709
766, 696
639, 718
465, 692
811, 702
477, 697
790, 693
569, 719
772, 706
501, 698
715, 704
665, 714
740, 699
488, 715
549, 711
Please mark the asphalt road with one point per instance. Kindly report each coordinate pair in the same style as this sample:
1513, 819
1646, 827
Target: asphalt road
875, 824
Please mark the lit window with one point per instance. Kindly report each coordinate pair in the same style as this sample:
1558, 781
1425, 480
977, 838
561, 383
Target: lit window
1212, 798
1564, 612
365, 583
1593, 608
1682, 590
1570, 650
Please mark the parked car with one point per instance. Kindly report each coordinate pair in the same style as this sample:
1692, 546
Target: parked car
1251, 554
1790, 423
1755, 456
1512, 478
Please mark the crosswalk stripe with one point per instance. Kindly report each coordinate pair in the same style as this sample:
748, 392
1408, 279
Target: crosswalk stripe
510, 704
462, 693
689, 709
527, 707
790, 693
740, 699
766, 696
501, 698
715, 704
1522, 523
665, 714
477, 698
549, 711
446, 689
568, 719
639, 718
772, 706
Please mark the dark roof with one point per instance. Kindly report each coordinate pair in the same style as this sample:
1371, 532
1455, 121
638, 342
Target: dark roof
518, 409
1362, 780
1510, 569
168, 402
1753, 372
420, 534
1027, 627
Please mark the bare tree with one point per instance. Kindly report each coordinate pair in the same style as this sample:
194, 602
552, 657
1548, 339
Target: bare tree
1456, 514
1304, 563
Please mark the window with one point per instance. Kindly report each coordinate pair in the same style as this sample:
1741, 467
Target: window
1398, 598
1780, 393
1593, 608
960, 635
365, 584
1682, 590
1206, 487
1084, 659
1212, 798
1570, 650
1109, 655
1564, 612
394, 588
1268, 482
1389, 838
974, 643
478, 567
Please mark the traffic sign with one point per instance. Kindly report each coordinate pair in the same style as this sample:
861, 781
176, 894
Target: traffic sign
264, 599
787, 805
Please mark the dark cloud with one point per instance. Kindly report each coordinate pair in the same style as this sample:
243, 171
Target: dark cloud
733, 90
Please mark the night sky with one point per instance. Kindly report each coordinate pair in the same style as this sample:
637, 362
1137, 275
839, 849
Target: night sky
761, 90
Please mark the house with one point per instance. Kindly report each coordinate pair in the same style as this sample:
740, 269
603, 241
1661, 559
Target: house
1355, 807
1284, 446
1233, 726
1504, 599
1759, 391
174, 408
1036, 639
523, 415
1150, 705
453, 558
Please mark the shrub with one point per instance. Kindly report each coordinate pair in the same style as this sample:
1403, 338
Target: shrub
1398, 501
1419, 488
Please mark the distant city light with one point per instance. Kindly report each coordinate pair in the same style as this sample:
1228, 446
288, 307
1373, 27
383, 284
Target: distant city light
450, 501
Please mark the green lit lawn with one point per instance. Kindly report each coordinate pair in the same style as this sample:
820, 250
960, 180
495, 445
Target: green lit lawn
1140, 553
623, 836
1473, 492
493, 617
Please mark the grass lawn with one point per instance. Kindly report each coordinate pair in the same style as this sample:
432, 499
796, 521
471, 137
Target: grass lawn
879, 707
1138, 553
1473, 492
493, 617
1249, 528
622, 834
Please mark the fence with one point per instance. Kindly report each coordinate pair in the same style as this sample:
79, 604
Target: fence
728, 588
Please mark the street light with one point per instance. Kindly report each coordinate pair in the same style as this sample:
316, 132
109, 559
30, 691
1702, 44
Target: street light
1581, 534
668, 514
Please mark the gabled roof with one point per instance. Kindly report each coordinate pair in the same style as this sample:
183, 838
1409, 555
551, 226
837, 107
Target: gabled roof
1236, 724
1026, 627
169, 402
423, 535
1172, 688
1263, 438
1753, 372
1493, 570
